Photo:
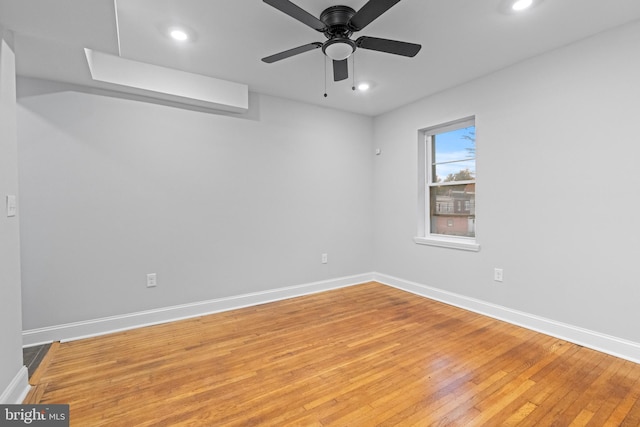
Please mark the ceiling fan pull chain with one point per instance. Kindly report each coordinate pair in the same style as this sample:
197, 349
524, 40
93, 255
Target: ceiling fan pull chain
325, 75
353, 65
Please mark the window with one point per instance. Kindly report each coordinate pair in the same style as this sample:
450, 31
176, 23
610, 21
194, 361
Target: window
447, 173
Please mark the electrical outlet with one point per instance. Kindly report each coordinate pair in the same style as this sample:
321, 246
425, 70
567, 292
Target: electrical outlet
325, 258
151, 280
497, 274
11, 205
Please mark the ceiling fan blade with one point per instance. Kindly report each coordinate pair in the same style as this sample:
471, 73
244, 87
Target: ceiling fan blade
298, 13
291, 52
369, 12
389, 46
340, 70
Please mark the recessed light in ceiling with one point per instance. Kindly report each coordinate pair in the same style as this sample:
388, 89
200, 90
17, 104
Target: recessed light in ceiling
519, 5
363, 87
178, 34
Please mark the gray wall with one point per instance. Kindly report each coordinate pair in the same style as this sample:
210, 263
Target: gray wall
217, 205
114, 188
557, 193
10, 311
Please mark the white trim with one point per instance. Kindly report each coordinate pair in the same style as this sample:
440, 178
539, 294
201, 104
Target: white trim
452, 243
445, 184
17, 389
604, 343
450, 126
106, 325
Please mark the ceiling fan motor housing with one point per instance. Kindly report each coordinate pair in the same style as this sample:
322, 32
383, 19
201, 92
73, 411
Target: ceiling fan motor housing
339, 46
336, 18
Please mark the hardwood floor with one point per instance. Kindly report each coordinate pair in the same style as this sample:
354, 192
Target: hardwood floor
360, 356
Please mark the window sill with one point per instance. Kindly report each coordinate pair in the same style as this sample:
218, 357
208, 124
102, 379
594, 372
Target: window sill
452, 243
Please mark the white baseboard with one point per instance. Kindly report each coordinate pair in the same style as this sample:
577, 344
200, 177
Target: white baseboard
106, 325
614, 346
17, 389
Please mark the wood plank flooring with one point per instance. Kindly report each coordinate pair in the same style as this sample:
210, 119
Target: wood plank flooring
366, 355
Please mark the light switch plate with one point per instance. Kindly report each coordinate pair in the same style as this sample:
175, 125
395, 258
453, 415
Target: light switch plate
12, 205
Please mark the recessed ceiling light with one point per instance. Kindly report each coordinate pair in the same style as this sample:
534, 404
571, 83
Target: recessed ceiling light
363, 87
179, 35
521, 4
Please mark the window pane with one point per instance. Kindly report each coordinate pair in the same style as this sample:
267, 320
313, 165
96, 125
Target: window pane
453, 210
463, 170
453, 156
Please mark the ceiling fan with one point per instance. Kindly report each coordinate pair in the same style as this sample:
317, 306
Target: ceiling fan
338, 23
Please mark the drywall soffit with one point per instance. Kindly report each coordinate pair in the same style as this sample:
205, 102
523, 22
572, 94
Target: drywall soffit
166, 83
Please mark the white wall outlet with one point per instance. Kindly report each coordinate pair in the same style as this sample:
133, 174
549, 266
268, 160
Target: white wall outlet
497, 274
12, 205
325, 258
151, 280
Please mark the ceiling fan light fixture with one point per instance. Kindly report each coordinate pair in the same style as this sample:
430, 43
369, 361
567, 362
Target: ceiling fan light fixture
339, 49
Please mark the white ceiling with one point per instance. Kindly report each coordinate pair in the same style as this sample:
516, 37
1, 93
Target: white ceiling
461, 40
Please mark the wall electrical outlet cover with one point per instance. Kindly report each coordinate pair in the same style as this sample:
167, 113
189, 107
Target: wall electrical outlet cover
151, 280
497, 274
12, 205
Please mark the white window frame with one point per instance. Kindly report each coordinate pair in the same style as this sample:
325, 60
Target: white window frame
424, 236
